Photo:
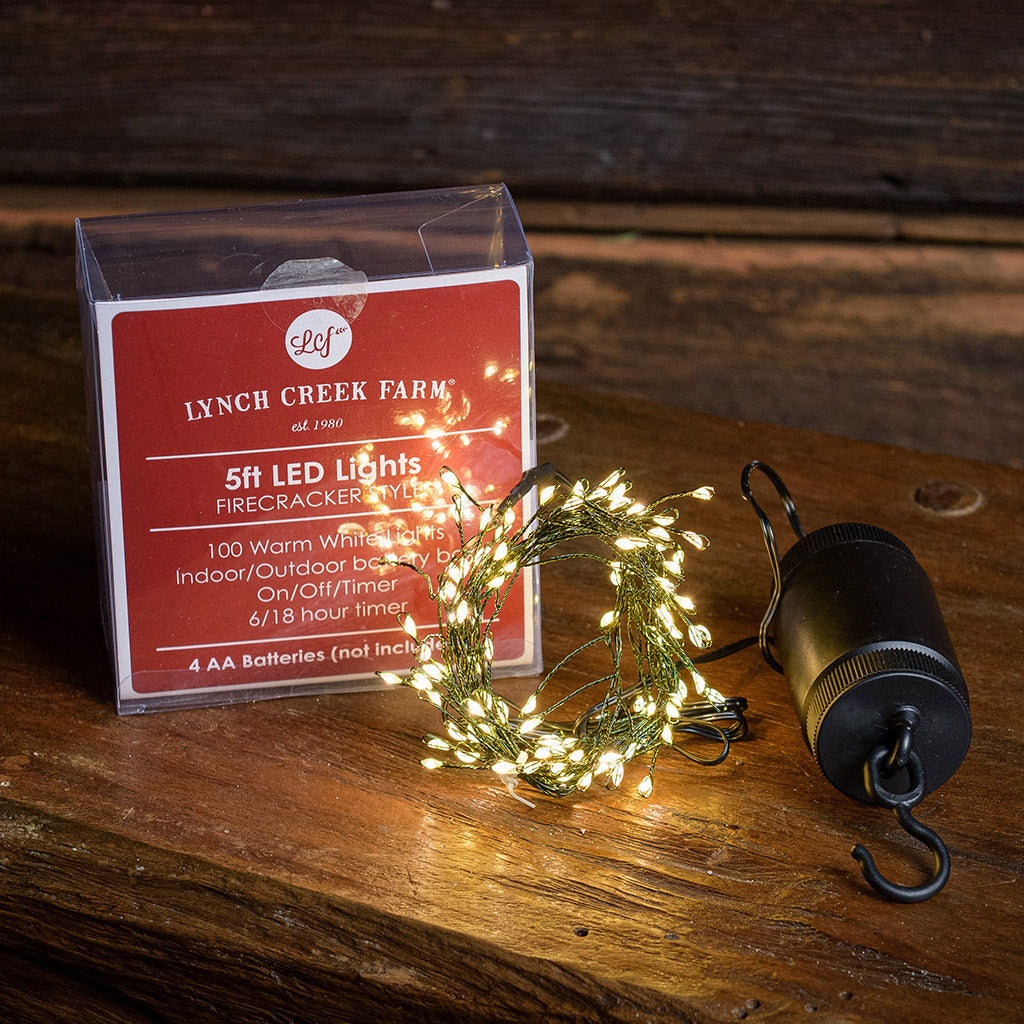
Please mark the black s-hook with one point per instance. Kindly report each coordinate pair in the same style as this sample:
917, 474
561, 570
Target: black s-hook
884, 761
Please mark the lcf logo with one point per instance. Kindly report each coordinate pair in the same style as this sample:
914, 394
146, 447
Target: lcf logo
318, 338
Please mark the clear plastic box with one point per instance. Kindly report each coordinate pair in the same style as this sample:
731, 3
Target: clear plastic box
274, 390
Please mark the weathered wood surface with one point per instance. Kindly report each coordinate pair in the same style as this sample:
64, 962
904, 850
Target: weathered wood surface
880, 105
917, 345
290, 860
890, 335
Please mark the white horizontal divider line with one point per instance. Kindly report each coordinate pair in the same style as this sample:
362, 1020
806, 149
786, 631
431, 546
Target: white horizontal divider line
302, 519
326, 444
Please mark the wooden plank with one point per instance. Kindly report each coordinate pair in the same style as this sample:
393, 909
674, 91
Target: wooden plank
862, 104
290, 859
915, 344
29, 206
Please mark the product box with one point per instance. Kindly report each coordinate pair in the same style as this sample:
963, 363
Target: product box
274, 392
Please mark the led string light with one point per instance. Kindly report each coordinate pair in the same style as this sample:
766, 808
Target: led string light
833, 603
645, 634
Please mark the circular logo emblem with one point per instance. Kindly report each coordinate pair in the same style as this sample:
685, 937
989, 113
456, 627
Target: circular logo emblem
318, 338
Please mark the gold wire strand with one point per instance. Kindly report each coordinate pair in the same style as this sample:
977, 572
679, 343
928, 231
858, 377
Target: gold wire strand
649, 625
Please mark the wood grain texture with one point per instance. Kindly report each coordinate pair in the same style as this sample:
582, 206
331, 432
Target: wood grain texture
913, 343
858, 103
290, 860
34, 206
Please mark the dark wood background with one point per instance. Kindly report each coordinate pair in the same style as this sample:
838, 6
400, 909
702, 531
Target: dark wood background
862, 103
790, 212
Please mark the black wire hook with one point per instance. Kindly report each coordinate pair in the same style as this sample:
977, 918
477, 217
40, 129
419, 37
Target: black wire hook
770, 546
901, 804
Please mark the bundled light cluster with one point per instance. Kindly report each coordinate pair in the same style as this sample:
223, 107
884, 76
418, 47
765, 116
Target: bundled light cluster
645, 633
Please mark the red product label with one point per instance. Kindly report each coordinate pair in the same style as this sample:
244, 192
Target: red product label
264, 450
